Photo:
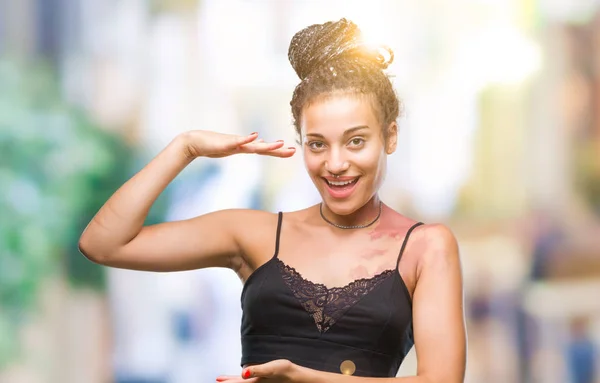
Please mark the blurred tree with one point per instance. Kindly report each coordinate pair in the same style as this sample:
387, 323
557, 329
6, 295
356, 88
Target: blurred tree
56, 169
162, 6
587, 174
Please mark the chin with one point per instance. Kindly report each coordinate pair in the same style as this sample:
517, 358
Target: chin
342, 207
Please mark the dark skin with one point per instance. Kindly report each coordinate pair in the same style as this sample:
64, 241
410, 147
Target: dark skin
341, 135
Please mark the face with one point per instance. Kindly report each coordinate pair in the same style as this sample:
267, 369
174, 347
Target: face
342, 136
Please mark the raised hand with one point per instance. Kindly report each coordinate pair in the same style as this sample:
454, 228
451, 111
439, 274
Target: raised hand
203, 143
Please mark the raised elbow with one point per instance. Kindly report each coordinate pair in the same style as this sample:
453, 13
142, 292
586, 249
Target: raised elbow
90, 250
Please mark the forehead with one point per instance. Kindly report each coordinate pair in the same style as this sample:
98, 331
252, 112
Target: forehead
333, 114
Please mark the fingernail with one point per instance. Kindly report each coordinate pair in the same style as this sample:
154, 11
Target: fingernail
279, 141
246, 374
291, 147
253, 133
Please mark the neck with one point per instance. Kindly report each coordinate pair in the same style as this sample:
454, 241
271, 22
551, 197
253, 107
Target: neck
362, 216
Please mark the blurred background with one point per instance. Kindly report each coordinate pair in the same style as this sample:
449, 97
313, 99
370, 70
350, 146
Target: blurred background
500, 140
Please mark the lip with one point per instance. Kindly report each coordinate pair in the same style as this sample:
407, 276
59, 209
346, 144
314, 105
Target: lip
340, 179
344, 193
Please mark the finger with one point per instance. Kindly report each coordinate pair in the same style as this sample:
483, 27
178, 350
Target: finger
260, 147
276, 368
237, 379
243, 140
281, 153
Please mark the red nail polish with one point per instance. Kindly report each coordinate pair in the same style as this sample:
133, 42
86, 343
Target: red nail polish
246, 374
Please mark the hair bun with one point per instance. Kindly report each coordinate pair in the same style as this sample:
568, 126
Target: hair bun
319, 44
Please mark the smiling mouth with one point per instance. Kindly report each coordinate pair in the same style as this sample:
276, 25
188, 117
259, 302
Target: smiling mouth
341, 184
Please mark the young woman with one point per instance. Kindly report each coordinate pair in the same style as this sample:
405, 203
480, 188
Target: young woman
337, 292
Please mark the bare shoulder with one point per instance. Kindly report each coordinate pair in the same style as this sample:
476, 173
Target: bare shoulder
247, 227
438, 237
301, 216
255, 233
437, 246
249, 223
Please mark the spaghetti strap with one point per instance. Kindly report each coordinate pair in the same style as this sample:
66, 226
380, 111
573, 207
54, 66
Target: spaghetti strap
406, 240
279, 219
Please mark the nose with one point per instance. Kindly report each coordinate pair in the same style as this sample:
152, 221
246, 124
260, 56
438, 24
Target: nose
336, 162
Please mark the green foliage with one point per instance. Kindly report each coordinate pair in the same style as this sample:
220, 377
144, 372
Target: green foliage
56, 170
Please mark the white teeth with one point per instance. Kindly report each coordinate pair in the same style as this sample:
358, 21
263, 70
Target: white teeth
341, 183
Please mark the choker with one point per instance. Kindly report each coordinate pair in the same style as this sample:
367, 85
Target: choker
353, 226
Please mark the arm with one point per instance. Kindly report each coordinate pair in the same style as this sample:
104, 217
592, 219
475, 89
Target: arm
117, 237
438, 309
438, 318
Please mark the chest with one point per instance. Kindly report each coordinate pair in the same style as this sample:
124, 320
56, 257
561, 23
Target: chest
335, 261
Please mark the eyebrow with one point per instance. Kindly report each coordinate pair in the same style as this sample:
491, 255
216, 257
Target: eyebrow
346, 132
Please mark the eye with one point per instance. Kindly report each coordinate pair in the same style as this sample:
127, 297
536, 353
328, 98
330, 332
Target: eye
357, 141
316, 145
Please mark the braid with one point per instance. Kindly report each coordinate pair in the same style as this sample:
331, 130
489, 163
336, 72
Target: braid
332, 57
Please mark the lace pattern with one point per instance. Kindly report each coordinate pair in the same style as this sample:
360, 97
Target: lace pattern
328, 305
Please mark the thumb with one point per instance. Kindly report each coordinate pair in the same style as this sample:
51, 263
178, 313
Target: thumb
275, 368
261, 371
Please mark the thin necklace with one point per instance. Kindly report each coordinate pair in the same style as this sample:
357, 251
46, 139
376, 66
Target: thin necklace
353, 226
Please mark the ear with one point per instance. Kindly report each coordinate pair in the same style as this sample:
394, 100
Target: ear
392, 138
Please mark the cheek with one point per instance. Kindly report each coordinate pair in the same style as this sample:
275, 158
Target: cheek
371, 162
312, 163
374, 167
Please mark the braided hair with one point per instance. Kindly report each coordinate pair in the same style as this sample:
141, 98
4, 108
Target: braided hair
333, 58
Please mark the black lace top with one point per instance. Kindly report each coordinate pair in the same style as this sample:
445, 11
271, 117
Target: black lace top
362, 329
